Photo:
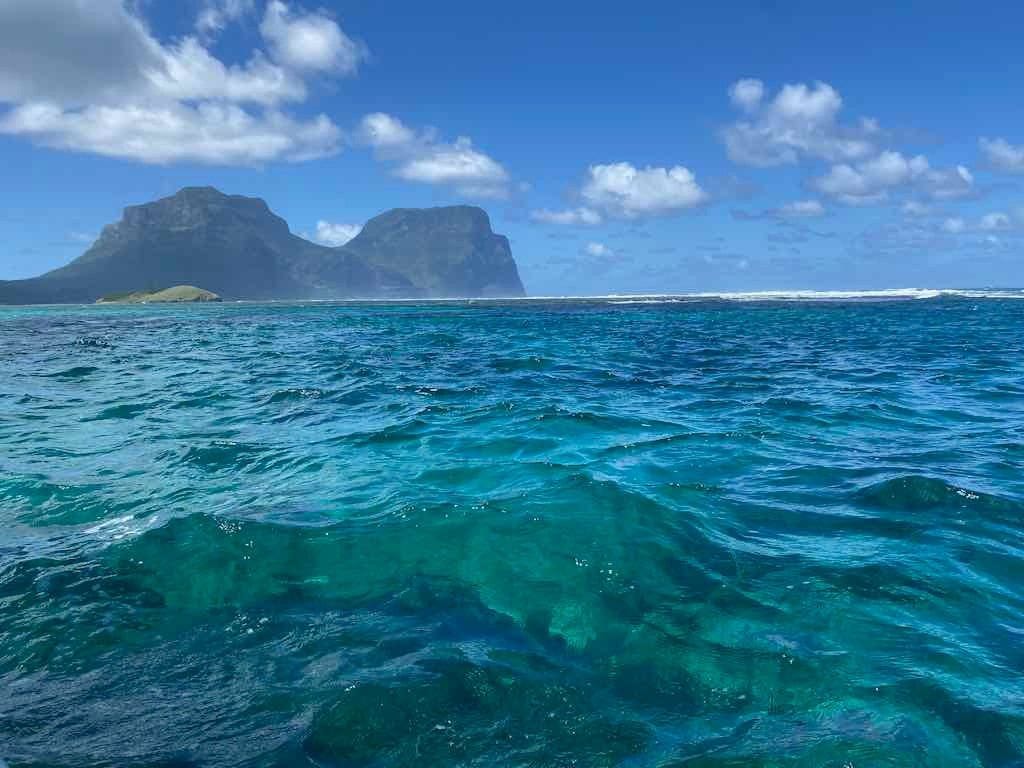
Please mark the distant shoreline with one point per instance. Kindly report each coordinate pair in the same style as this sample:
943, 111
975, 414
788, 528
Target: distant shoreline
880, 295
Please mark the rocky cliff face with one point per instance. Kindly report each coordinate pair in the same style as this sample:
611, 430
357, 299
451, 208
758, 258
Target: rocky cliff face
236, 247
444, 252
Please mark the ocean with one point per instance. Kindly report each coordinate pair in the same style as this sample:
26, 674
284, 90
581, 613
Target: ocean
743, 530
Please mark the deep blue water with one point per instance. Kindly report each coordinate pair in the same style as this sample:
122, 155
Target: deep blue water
534, 534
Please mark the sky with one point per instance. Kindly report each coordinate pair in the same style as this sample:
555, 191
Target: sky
646, 147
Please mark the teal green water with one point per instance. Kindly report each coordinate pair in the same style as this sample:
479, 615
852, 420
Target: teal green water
583, 534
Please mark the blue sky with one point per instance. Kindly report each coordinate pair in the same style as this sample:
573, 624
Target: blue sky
677, 147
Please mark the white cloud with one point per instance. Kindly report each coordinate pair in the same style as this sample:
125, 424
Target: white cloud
747, 94
210, 133
36, 66
1003, 155
458, 163
101, 53
872, 180
333, 235
309, 41
384, 131
105, 85
947, 183
995, 221
801, 209
188, 72
598, 250
801, 121
620, 189
421, 157
571, 216
217, 14
915, 208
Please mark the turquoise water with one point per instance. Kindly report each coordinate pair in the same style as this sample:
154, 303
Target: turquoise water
705, 533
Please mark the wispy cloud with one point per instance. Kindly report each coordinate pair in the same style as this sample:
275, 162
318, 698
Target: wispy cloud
570, 216
215, 15
1002, 155
994, 222
421, 157
800, 209
793, 211
598, 250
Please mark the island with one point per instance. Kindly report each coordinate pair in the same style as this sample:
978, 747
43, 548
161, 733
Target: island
237, 248
178, 294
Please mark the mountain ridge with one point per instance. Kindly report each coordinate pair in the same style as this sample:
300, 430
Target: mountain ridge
237, 247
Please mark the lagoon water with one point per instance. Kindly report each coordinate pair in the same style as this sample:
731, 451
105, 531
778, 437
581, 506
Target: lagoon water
591, 533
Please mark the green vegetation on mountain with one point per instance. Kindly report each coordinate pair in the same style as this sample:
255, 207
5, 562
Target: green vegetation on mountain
443, 251
238, 248
178, 294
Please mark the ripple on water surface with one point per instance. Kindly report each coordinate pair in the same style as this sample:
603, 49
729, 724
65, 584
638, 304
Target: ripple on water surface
646, 534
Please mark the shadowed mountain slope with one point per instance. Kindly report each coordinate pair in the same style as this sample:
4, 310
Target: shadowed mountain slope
238, 248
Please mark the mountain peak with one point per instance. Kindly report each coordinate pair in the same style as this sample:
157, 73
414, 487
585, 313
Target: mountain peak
238, 248
191, 208
447, 251
201, 191
462, 217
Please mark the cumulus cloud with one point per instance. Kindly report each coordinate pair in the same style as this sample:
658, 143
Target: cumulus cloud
621, 189
954, 225
571, 216
1002, 155
333, 235
871, 181
384, 131
212, 133
421, 157
90, 77
800, 121
72, 52
309, 41
747, 94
